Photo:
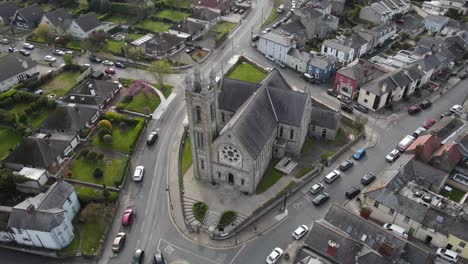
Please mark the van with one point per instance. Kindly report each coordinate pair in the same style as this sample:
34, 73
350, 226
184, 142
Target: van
396, 229
332, 176
280, 9
405, 143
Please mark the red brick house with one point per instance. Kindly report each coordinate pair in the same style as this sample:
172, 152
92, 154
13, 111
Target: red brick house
446, 158
424, 147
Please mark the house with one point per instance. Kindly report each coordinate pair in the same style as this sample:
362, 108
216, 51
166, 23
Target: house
205, 16
435, 24
435, 227
220, 6
340, 51
324, 124
276, 45
358, 43
83, 26
43, 151
7, 12
187, 29
376, 36
424, 146
28, 17
337, 7
70, 118
322, 67
298, 60
445, 127
383, 11
93, 93
458, 238
349, 79
45, 220
317, 19
14, 69
164, 44
58, 20
37, 178
441, 7
453, 27
446, 158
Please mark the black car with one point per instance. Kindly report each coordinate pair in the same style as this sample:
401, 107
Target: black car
255, 37
138, 256
151, 138
360, 108
159, 259
25, 52
95, 59
347, 108
352, 193
367, 179
332, 92
277, 24
425, 104
119, 65
346, 165
321, 198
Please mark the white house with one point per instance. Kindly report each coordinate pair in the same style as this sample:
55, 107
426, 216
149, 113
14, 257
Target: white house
15, 68
206, 16
275, 45
441, 7
343, 53
298, 60
85, 25
58, 20
44, 220
37, 178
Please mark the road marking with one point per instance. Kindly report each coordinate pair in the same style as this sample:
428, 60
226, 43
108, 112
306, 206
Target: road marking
143, 225
297, 204
169, 249
232, 261
220, 257
191, 253
138, 242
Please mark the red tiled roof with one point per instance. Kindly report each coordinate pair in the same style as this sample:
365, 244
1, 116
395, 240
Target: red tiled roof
431, 144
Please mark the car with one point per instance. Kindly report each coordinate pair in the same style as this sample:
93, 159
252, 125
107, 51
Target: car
50, 58
332, 92
108, 63
235, 10
159, 259
28, 46
255, 37
360, 108
240, 1
267, 29
413, 110
393, 155
139, 172
343, 98
462, 75
284, 19
289, 15
127, 218
85, 65
120, 65
345, 165
4, 41
95, 59
425, 104
109, 71
274, 256
346, 107
138, 256
189, 49
332, 176
456, 109
276, 25
69, 52
359, 154
293, 9
268, 56
300, 232
316, 188
39, 92
24, 52
398, 230
152, 138
11, 49
429, 123
58, 52
353, 192
367, 178
241, 11
405, 143
119, 241
321, 198
280, 63
400, 21
418, 132
446, 254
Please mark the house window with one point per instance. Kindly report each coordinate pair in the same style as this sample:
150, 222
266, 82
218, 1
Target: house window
406, 219
365, 100
281, 132
324, 132
391, 212
242, 181
462, 244
376, 204
291, 134
367, 93
198, 113
202, 164
459, 251
313, 128
223, 117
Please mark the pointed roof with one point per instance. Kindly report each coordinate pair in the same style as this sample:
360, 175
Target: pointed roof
59, 18
88, 22
8, 9
32, 13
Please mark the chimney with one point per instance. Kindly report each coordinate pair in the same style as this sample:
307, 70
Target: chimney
332, 248
30, 209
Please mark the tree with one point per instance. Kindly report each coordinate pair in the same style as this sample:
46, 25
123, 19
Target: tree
133, 53
8, 183
97, 173
83, 4
107, 139
160, 69
105, 123
68, 59
96, 41
44, 32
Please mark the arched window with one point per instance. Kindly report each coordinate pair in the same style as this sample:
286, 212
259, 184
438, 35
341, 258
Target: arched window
198, 113
281, 132
291, 134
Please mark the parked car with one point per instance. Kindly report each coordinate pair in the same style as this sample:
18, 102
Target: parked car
284, 19
138, 256
321, 199
280, 63
108, 63
367, 178
343, 98
50, 58
95, 59
418, 132
58, 52
189, 49
109, 71
425, 104
462, 75
235, 10
120, 65
241, 11
274, 256
346, 107
353, 192
255, 37
405, 143
159, 259
139, 172
457, 109
360, 108
345, 165
316, 188
300, 232
69, 52
289, 14
39, 92
398, 230
128, 216
276, 25
11, 49
152, 138
448, 113
24, 52
359, 154
332, 92
332, 176
429, 123
4, 41
28, 46
414, 109
446, 254
119, 241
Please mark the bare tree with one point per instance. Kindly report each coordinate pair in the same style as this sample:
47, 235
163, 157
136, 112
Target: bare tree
160, 69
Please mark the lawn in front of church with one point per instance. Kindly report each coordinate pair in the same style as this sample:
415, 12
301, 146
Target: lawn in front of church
247, 72
270, 177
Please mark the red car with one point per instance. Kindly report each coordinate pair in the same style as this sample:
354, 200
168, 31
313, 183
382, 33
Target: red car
109, 71
128, 217
400, 21
429, 123
414, 109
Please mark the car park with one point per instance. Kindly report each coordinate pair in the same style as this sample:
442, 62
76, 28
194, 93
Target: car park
405, 143
152, 138
359, 154
425, 104
321, 199
360, 108
345, 165
346, 107
127, 218
393, 155
414, 109
28, 46
274, 256
159, 259
109, 71
332, 176
332, 92
456, 109
367, 179
446, 254
353, 192
139, 172
280, 63
49, 58
4, 41
300, 232
120, 65
343, 98
24, 52
418, 132
429, 123
108, 63
316, 188
119, 241
138, 256
58, 52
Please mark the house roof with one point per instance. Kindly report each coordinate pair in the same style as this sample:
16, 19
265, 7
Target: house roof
91, 92
336, 45
293, 27
59, 18
413, 72
32, 13
8, 9
445, 127
400, 78
56, 195
355, 41
428, 63
439, 221
381, 85
324, 118
13, 64
88, 22
459, 228
428, 174
204, 14
234, 93
437, 19
278, 38
322, 62
360, 70
68, 118
163, 42
448, 153
299, 54
430, 143
188, 27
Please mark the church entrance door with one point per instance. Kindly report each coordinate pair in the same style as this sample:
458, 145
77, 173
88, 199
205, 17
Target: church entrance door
231, 178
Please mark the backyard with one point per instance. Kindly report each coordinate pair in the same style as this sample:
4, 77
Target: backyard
173, 15
144, 103
61, 83
247, 72
122, 139
34, 119
456, 195
114, 46
117, 19
153, 26
8, 139
96, 218
270, 177
82, 169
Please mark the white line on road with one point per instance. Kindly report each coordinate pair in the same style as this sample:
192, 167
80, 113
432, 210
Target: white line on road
143, 225
138, 242
232, 261
191, 253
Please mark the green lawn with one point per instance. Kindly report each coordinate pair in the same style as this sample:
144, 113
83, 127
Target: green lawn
303, 171
179, 3
88, 194
167, 89
247, 72
308, 145
186, 156
114, 46
18, 108
92, 230
117, 19
274, 14
173, 15
153, 26
142, 102
37, 120
134, 36
456, 195
224, 27
270, 177
8, 139
121, 140
83, 169
61, 83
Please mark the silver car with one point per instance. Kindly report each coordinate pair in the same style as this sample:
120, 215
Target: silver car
139, 172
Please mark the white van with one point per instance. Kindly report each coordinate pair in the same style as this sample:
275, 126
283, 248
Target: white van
280, 9
396, 229
332, 176
405, 143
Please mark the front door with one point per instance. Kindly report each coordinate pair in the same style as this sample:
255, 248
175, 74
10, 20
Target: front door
231, 178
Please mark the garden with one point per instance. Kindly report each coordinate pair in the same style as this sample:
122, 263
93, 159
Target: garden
61, 84
171, 14
153, 26
270, 177
199, 54
222, 29
8, 139
139, 98
245, 71
455, 195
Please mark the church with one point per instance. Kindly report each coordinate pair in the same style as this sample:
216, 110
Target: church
237, 127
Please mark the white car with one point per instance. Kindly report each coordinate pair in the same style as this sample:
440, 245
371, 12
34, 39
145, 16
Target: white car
49, 58
316, 188
300, 232
28, 46
58, 52
274, 255
447, 254
457, 109
69, 52
108, 63
393, 155
138, 175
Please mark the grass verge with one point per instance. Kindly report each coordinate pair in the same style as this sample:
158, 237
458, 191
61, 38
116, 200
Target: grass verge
186, 156
303, 171
270, 177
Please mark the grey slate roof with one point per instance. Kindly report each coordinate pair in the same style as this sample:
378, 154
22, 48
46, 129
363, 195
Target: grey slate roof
188, 27
428, 63
299, 54
56, 195
278, 38
204, 14
68, 118
459, 228
400, 78
382, 85
234, 93
32, 14
163, 42
336, 45
8, 9
288, 105
437, 19
324, 118
14, 64
59, 18
428, 174
91, 92
88, 22
439, 221
293, 27
413, 72
444, 127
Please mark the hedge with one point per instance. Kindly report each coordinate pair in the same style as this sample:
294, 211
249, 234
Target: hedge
104, 16
199, 210
7, 94
119, 179
227, 218
120, 8
114, 117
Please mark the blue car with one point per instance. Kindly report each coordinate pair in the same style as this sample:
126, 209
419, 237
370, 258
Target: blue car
359, 154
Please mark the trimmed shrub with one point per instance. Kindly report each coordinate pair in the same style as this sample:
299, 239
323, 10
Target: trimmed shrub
102, 132
22, 118
107, 139
123, 126
227, 218
127, 99
105, 124
199, 210
83, 153
100, 156
91, 155
98, 173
